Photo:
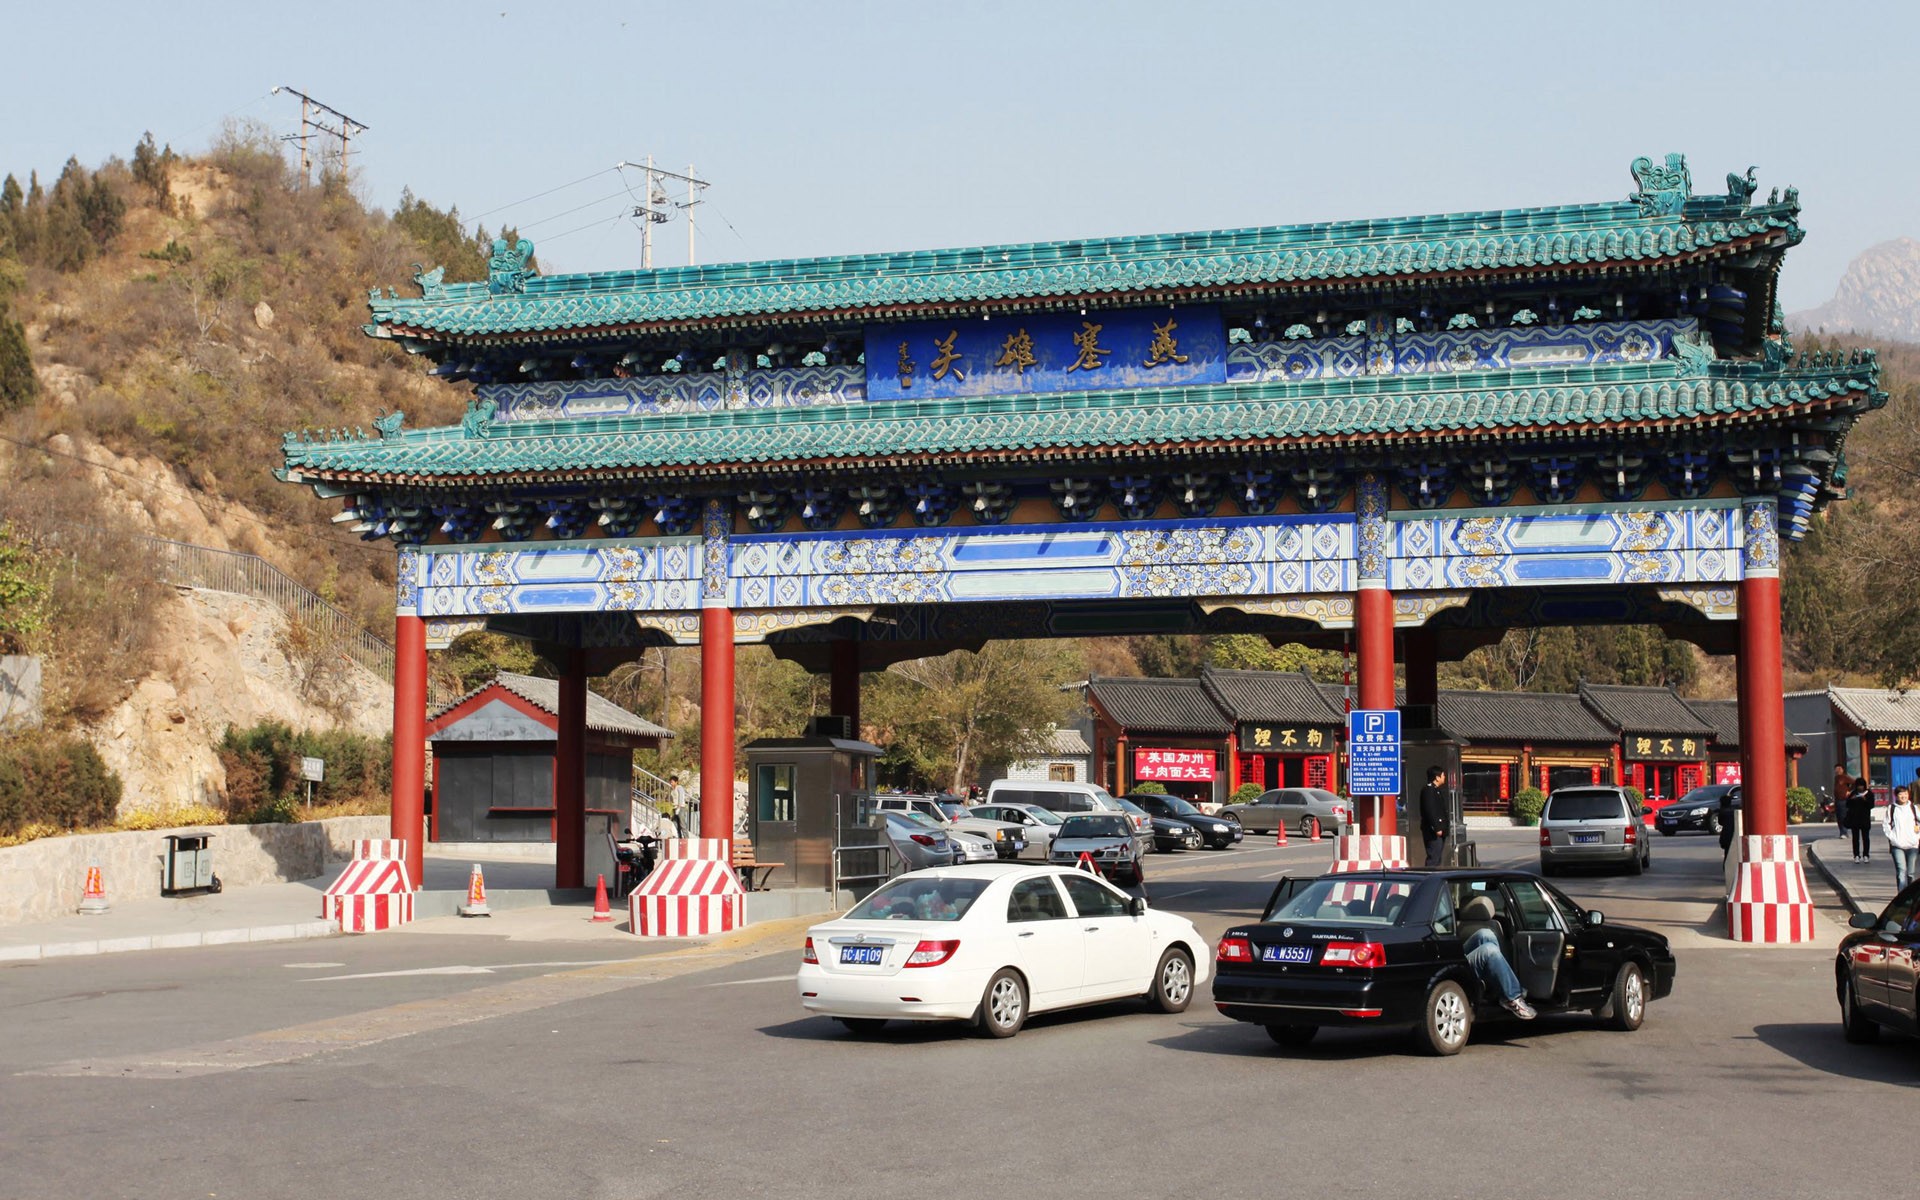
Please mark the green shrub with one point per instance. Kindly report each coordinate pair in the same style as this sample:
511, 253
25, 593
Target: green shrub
1527, 805
1246, 793
1801, 804
58, 781
1636, 797
1150, 789
263, 770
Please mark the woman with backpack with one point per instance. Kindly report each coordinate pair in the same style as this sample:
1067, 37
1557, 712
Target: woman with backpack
1902, 829
1857, 818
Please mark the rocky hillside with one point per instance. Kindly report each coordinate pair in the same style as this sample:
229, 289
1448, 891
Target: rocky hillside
1878, 297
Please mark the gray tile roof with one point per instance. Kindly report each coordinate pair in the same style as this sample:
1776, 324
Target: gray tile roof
603, 715
1167, 705
1276, 697
1724, 716
1642, 709
1550, 717
1878, 710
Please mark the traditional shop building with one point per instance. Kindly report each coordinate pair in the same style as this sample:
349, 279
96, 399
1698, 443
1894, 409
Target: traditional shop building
1286, 733
1516, 740
1859, 732
1663, 744
1406, 434
1065, 758
1165, 731
1724, 749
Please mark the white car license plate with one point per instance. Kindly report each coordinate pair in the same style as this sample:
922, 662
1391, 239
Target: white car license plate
863, 956
1585, 839
1293, 954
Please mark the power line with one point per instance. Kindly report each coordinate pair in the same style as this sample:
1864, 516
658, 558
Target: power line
550, 191
312, 124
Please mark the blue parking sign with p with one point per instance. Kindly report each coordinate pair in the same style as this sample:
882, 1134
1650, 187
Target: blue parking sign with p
1373, 752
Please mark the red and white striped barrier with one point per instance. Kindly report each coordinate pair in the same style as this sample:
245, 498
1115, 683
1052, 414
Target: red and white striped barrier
381, 848
371, 894
1369, 852
719, 849
688, 897
1770, 904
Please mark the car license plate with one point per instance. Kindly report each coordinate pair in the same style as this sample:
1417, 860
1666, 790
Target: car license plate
863, 956
1296, 954
1584, 839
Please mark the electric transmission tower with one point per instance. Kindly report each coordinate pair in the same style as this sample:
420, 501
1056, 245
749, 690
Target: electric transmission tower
313, 116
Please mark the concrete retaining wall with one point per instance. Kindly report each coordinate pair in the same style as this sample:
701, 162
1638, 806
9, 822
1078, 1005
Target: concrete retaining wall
44, 879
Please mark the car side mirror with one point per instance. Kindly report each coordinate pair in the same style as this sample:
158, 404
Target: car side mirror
1863, 921
1137, 906
1596, 917
1646, 810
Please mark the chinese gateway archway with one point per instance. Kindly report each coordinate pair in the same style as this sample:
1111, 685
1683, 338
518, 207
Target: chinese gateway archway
1413, 433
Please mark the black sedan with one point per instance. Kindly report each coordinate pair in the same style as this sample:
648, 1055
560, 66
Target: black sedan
1215, 833
1704, 808
1386, 948
1168, 836
1877, 971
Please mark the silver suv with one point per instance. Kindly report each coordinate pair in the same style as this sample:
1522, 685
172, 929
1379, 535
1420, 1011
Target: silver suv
1595, 827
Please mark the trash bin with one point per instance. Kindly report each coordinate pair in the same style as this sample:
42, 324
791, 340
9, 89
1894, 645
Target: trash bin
187, 865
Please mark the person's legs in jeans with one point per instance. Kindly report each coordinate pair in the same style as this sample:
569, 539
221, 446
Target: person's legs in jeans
1483, 953
1904, 864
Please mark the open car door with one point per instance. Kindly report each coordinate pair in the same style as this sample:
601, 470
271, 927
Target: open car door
1539, 939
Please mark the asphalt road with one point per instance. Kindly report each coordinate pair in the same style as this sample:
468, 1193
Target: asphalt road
471, 1066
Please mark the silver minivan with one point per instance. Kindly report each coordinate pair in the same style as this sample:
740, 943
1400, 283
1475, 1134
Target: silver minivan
1594, 827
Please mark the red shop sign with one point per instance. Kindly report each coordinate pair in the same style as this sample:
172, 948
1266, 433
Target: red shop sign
1173, 766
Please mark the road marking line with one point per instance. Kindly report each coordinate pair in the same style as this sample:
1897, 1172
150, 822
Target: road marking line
787, 978
313, 966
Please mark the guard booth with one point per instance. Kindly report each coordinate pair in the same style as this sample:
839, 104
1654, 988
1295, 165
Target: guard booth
806, 796
1424, 746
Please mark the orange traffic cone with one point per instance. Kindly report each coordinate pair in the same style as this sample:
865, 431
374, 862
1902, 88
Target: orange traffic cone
476, 905
1313, 829
93, 899
601, 911
1280, 834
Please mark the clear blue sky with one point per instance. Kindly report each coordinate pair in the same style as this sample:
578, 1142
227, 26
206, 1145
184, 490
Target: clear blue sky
830, 128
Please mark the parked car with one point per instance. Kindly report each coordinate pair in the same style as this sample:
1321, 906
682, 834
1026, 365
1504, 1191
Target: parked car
993, 945
1106, 838
1007, 840
1037, 824
1292, 807
1061, 796
1168, 835
1704, 808
1215, 832
1877, 970
1385, 948
917, 840
971, 847
1593, 827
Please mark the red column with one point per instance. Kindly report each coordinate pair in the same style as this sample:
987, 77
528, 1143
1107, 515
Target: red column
1742, 712
716, 722
844, 683
1373, 630
570, 776
1763, 787
410, 739
1422, 657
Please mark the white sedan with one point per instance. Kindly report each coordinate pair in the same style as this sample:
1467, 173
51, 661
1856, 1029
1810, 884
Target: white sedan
992, 944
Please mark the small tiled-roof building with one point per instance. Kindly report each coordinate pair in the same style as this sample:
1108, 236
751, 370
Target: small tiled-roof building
1870, 732
1723, 752
493, 753
1286, 731
1066, 756
1167, 731
1663, 743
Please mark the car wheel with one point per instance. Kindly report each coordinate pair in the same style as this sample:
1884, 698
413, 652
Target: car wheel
1172, 982
1635, 866
1448, 1020
1713, 823
1854, 1025
863, 1026
1003, 1010
1293, 1037
1627, 1008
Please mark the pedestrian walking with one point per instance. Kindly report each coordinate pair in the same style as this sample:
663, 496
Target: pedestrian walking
1902, 829
1857, 818
678, 800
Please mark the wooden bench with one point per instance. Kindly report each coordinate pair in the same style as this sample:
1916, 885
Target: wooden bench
746, 862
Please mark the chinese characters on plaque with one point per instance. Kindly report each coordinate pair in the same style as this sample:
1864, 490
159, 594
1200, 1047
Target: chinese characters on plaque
1173, 766
1678, 748
1897, 741
1286, 739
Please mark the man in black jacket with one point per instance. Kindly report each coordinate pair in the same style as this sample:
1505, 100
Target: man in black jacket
1436, 814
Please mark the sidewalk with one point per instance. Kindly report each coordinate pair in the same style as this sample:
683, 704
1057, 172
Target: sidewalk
1867, 886
265, 913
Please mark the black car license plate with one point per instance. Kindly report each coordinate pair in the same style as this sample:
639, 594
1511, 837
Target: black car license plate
863, 956
1287, 954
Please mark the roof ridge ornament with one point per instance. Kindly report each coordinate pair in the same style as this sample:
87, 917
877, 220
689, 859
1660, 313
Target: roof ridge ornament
1663, 190
389, 425
507, 269
430, 282
478, 416
1740, 188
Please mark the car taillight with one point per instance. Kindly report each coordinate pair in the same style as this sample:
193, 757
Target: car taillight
1234, 949
1546, 839
925, 839
1353, 954
1633, 833
931, 954
808, 955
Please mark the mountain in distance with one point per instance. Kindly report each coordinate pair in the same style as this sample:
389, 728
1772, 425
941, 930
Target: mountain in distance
1879, 295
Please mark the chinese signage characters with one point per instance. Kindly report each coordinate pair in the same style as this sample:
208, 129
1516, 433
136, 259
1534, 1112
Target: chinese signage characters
1173, 766
1046, 352
1896, 741
1286, 739
1668, 748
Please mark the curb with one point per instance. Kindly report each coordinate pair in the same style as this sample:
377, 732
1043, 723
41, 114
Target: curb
1833, 880
169, 941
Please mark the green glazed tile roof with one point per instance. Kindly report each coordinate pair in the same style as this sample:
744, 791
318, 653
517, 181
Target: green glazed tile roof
1570, 236
1374, 409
